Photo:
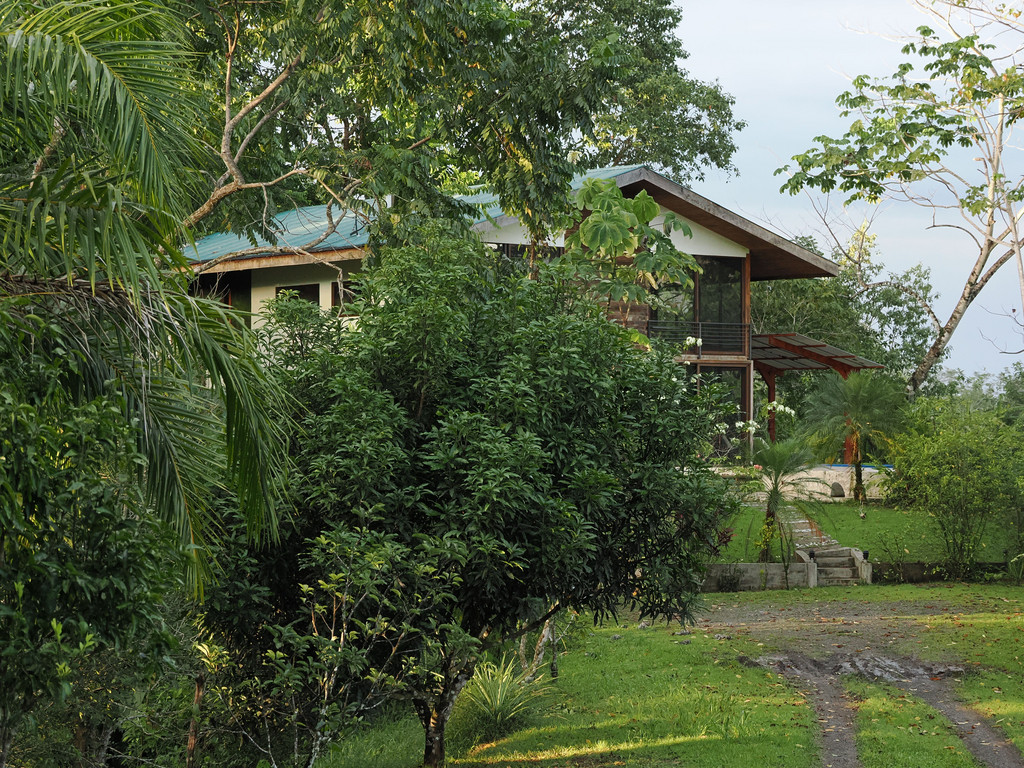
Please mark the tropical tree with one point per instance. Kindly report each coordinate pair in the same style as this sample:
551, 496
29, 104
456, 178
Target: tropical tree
127, 397
518, 96
518, 447
851, 416
941, 139
656, 113
462, 92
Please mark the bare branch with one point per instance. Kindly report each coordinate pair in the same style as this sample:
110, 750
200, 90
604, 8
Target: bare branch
220, 193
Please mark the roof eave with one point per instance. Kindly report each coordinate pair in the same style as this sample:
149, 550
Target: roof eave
268, 260
772, 257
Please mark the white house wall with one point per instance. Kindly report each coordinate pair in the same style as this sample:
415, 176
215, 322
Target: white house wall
704, 242
510, 231
265, 283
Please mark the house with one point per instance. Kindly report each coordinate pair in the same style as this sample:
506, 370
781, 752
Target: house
732, 251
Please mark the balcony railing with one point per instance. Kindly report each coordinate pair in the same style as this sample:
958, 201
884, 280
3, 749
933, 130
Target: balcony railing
715, 338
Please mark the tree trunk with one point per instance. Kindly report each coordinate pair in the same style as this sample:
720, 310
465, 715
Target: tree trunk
546, 638
974, 284
193, 726
92, 744
6, 737
859, 494
765, 555
435, 711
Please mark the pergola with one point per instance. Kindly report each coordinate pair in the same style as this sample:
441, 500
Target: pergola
775, 353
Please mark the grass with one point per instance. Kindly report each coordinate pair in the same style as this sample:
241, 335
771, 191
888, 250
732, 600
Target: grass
685, 700
894, 728
988, 635
889, 534
646, 697
654, 698
393, 741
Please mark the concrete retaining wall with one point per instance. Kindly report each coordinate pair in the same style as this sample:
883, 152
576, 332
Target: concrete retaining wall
916, 573
722, 577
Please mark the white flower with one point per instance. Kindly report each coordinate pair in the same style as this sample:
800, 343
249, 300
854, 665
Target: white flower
776, 407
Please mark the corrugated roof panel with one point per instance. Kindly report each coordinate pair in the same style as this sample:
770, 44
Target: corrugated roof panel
796, 352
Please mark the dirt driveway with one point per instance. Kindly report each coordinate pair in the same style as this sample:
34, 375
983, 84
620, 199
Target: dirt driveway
879, 640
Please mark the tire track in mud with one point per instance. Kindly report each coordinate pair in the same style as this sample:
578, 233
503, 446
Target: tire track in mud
820, 677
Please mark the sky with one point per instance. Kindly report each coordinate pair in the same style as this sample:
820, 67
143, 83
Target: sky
784, 63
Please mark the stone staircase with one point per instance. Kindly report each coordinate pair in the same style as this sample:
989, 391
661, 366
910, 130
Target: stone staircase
840, 567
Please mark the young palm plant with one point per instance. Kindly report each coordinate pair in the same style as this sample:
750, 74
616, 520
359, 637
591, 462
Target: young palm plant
852, 416
781, 464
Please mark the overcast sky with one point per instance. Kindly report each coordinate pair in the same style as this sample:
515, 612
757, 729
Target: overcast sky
785, 63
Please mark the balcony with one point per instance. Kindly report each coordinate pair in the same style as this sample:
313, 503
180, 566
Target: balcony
716, 338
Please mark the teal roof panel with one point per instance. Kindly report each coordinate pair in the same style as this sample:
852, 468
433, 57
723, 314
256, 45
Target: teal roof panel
299, 226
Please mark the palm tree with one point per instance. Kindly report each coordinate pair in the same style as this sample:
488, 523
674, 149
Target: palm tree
96, 128
853, 415
96, 122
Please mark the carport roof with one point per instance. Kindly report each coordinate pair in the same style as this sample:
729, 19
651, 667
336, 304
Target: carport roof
779, 352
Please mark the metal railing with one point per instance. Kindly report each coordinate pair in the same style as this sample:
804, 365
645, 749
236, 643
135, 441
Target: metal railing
714, 338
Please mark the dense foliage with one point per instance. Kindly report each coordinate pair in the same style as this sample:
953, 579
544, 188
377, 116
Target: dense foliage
518, 96
515, 448
124, 399
83, 566
657, 113
88, 211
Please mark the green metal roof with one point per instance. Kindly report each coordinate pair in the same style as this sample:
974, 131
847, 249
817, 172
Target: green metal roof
299, 226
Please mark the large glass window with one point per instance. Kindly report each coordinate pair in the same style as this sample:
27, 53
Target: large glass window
735, 381
711, 309
679, 302
720, 291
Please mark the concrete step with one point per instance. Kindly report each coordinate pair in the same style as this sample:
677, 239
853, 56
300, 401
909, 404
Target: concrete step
835, 562
837, 573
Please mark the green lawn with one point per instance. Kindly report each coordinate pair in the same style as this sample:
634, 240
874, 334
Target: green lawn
885, 532
894, 728
654, 698
645, 698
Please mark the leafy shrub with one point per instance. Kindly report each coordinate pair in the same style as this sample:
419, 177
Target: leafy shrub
960, 466
1015, 569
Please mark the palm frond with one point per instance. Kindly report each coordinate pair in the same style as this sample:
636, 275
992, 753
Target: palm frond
82, 66
71, 224
96, 123
205, 412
